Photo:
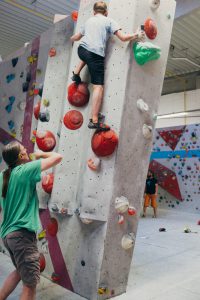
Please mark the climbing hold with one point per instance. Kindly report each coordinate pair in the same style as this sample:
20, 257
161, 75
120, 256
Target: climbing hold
21, 105
73, 119
145, 52
11, 99
14, 61
83, 263
147, 131
26, 44
86, 221
94, 163
103, 290
154, 4
104, 143
52, 227
40, 91
142, 106
128, 241
36, 91
8, 108
132, 211
121, 219
52, 52
22, 74
44, 116
150, 29
198, 223
10, 77
37, 110
74, 15
121, 204
31, 92
45, 140
47, 182
54, 207
162, 229
13, 133
42, 262
78, 95
45, 102
55, 277
41, 235
32, 58
11, 124
25, 87
187, 230
38, 72
28, 77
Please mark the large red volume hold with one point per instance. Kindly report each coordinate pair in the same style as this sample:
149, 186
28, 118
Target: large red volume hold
150, 29
78, 94
73, 119
104, 142
45, 140
37, 110
47, 182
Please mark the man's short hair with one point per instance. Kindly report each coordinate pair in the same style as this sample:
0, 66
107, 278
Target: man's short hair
100, 7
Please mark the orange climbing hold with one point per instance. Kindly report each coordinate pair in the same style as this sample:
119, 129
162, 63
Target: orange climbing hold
150, 29
37, 110
45, 140
74, 15
73, 119
78, 95
42, 262
52, 52
104, 142
52, 227
47, 182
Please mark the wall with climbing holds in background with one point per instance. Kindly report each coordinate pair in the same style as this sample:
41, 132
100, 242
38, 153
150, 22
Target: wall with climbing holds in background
21, 86
176, 162
93, 199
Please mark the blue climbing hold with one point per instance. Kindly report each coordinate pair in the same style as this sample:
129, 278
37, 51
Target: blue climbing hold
11, 124
10, 77
14, 61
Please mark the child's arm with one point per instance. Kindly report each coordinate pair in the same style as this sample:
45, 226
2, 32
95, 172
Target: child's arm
130, 37
76, 37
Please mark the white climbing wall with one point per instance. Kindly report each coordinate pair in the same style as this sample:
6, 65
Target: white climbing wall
91, 256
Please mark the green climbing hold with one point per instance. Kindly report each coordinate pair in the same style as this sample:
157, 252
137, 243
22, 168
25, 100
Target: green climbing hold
145, 52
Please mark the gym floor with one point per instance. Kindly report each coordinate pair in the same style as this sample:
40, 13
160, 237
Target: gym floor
166, 265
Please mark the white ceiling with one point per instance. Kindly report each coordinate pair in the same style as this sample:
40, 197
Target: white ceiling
22, 20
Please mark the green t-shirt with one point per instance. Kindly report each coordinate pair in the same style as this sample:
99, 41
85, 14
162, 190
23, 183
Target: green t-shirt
21, 207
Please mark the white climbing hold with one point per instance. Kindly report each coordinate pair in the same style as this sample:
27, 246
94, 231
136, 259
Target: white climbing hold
121, 204
128, 241
26, 44
94, 163
86, 221
142, 106
63, 211
121, 219
147, 131
154, 4
21, 105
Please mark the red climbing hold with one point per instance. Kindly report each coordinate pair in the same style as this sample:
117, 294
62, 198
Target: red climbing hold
104, 142
150, 29
74, 15
45, 140
52, 52
37, 110
78, 95
47, 182
42, 262
55, 277
52, 227
73, 119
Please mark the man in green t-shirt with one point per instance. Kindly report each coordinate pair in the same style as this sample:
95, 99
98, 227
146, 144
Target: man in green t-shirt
20, 208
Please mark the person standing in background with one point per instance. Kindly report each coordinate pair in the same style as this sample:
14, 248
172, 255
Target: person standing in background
151, 192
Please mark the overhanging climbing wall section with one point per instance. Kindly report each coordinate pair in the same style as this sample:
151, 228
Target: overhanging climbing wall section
97, 211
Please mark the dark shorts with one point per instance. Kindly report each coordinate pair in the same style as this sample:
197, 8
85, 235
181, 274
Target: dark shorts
95, 65
22, 246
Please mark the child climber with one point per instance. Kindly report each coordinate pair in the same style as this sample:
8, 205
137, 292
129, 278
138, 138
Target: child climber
94, 35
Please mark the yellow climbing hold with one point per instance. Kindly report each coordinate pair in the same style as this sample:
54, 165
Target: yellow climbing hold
42, 235
33, 139
31, 92
31, 59
103, 291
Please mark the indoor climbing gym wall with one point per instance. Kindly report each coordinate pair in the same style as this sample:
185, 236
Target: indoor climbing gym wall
21, 87
176, 162
91, 208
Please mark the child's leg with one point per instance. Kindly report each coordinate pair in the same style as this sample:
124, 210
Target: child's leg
154, 205
97, 99
79, 67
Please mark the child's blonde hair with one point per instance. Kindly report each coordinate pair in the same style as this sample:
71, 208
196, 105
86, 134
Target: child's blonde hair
100, 7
